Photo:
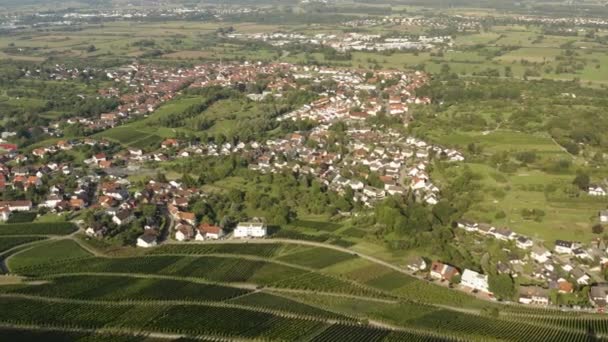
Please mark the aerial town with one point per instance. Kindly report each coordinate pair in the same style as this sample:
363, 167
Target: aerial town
400, 162
303, 170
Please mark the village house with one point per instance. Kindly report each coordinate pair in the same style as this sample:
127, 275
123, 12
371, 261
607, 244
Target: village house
17, 205
603, 216
5, 213
598, 295
169, 143
250, 229
51, 201
596, 190
187, 217
564, 247
184, 232
485, 229
563, 286
540, 254
123, 217
533, 295
416, 264
146, 240
475, 281
580, 276
207, 231
523, 242
503, 234
96, 230
443, 271
100, 157
467, 225
114, 190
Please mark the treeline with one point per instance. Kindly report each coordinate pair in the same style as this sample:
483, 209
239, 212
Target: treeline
569, 113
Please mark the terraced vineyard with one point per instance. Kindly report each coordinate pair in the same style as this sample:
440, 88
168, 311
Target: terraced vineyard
262, 250
254, 291
26, 335
316, 257
47, 228
115, 288
210, 321
8, 242
275, 302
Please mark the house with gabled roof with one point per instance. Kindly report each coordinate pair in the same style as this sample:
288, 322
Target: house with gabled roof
147, 240
540, 254
416, 264
503, 234
208, 231
184, 232
533, 295
443, 271
188, 217
467, 225
523, 242
564, 247
19, 205
580, 276
598, 295
123, 217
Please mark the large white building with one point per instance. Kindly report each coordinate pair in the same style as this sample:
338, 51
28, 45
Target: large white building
475, 280
250, 229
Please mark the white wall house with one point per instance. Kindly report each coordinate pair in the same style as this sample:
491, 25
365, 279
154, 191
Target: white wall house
475, 280
146, 240
250, 229
208, 232
523, 242
596, 190
533, 295
564, 247
17, 205
540, 254
5, 214
603, 216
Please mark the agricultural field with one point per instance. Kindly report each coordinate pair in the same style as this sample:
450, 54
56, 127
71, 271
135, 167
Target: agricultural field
168, 285
115, 288
276, 302
52, 335
265, 250
316, 257
132, 137
47, 253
